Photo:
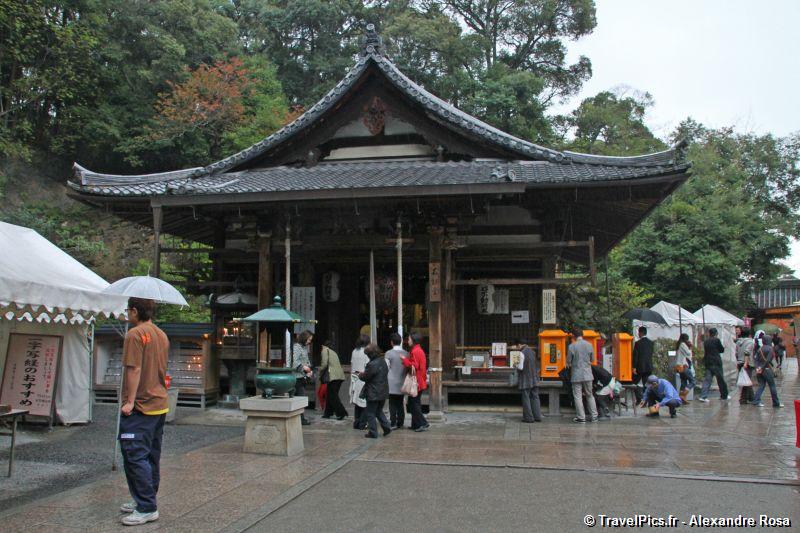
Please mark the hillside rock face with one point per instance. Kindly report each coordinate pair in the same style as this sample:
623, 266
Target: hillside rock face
34, 195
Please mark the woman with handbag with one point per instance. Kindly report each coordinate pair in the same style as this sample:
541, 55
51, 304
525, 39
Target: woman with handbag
376, 389
331, 373
358, 362
300, 362
417, 365
683, 365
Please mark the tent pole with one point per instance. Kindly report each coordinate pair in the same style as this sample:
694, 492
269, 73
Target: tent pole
703, 309
119, 408
91, 370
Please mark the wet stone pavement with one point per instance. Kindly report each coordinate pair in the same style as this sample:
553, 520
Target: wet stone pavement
217, 487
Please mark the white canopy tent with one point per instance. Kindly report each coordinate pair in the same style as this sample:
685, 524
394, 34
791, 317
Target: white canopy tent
711, 316
678, 320
43, 290
716, 316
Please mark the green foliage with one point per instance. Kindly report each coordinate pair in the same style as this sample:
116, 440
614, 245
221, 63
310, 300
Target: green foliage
592, 308
88, 79
218, 109
69, 229
197, 311
611, 124
723, 232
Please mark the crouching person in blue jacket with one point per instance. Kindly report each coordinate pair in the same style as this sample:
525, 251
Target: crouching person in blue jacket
660, 392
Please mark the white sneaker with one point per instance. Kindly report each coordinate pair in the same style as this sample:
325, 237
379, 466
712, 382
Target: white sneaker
703, 400
137, 519
779, 405
759, 404
128, 507
726, 398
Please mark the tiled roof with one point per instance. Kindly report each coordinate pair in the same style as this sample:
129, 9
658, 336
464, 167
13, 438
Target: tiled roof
373, 174
562, 166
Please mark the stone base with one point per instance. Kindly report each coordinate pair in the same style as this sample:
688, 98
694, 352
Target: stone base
273, 425
435, 416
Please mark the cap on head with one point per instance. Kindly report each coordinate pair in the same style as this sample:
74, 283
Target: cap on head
652, 379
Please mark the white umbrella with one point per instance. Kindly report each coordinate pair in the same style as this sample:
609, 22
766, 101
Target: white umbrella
141, 287
147, 287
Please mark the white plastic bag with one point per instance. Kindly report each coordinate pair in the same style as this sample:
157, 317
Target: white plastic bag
744, 379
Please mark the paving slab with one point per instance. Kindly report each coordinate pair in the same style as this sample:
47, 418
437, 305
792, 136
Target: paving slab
475, 471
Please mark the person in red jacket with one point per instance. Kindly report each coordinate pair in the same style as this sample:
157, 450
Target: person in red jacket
416, 359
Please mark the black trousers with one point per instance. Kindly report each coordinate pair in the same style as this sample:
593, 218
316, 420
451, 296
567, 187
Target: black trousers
603, 404
397, 416
746, 394
531, 405
375, 415
300, 390
140, 440
714, 372
359, 417
333, 404
415, 406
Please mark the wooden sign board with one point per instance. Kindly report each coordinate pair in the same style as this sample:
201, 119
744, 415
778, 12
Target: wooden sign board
435, 281
548, 306
31, 370
303, 303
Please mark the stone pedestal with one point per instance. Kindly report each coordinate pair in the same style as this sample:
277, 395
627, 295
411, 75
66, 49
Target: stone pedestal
273, 425
435, 416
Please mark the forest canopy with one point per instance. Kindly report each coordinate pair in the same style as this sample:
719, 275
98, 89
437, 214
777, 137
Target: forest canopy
133, 86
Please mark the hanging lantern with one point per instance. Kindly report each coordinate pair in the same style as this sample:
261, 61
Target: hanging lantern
330, 286
385, 291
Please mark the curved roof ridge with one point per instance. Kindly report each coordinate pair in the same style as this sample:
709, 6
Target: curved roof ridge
674, 155
322, 105
464, 120
88, 177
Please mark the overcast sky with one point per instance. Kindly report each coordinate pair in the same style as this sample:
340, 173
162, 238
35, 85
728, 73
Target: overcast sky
722, 62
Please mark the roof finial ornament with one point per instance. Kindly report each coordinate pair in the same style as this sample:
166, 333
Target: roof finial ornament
372, 43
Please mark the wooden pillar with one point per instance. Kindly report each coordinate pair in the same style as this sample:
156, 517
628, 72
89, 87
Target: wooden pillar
265, 271
217, 265
287, 299
399, 248
548, 272
158, 218
435, 323
592, 268
373, 309
449, 314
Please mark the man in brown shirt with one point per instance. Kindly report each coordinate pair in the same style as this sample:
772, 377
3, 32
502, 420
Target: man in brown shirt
144, 408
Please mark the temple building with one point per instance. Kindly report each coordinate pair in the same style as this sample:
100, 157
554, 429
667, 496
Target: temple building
459, 225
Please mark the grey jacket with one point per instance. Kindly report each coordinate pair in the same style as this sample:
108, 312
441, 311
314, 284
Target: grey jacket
744, 349
529, 375
579, 359
397, 372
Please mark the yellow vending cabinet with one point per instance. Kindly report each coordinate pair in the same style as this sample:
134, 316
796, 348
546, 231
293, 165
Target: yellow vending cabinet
622, 345
594, 339
552, 352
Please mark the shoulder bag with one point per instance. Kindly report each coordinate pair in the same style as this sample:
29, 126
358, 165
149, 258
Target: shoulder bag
410, 385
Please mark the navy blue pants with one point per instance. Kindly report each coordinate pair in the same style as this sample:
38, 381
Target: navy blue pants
140, 441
